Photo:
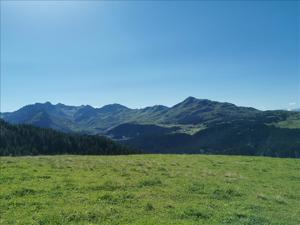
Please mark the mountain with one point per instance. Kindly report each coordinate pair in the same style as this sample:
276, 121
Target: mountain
84, 119
31, 140
113, 108
191, 115
232, 138
87, 119
43, 115
193, 126
296, 110
196, 111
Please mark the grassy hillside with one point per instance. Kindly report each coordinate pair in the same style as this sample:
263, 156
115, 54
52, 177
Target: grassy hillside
292, 122
149, 189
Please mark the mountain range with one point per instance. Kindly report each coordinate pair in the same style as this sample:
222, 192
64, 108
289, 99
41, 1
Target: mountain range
191, 126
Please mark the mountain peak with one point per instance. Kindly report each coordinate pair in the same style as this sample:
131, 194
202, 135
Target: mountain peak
159, 107
113, 108
190, 99
46, 105
60, 104
155, 108
86, 107
41, 104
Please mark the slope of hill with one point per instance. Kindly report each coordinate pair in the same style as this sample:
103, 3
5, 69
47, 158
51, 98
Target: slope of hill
130, 130
30, 140
149, 190
233, 138
292, 121
196, 111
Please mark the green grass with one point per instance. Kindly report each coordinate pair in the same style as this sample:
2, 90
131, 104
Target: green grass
292, 122
149, 189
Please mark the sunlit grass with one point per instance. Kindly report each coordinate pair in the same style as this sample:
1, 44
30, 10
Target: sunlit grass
149, 189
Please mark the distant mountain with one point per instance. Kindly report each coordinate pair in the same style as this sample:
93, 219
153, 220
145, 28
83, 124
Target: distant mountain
173, 129
195, 111
84, 119
31, 140
296, 110
113, 108
87, 119
191, 113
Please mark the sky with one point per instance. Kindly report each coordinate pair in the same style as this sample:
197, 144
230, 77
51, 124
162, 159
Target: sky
142, 53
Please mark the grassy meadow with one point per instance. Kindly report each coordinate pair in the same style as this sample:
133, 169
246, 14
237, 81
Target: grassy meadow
149, 189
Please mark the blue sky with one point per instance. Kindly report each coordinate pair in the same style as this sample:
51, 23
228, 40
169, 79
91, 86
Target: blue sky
146, 53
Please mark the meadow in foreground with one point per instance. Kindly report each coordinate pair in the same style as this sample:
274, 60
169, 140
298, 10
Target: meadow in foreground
149, 189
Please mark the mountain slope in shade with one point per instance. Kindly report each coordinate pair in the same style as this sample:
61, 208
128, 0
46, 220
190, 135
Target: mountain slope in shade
234, 138
130, 130
31, 140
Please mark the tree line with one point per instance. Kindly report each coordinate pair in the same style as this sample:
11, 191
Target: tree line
16, 140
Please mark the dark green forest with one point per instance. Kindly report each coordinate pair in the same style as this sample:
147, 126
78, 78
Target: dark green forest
18, 140
231, 138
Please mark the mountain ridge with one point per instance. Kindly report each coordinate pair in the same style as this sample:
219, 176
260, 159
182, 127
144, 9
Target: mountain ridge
87, 119
60, 104
191, 126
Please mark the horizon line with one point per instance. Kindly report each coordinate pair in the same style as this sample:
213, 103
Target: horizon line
143, 107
